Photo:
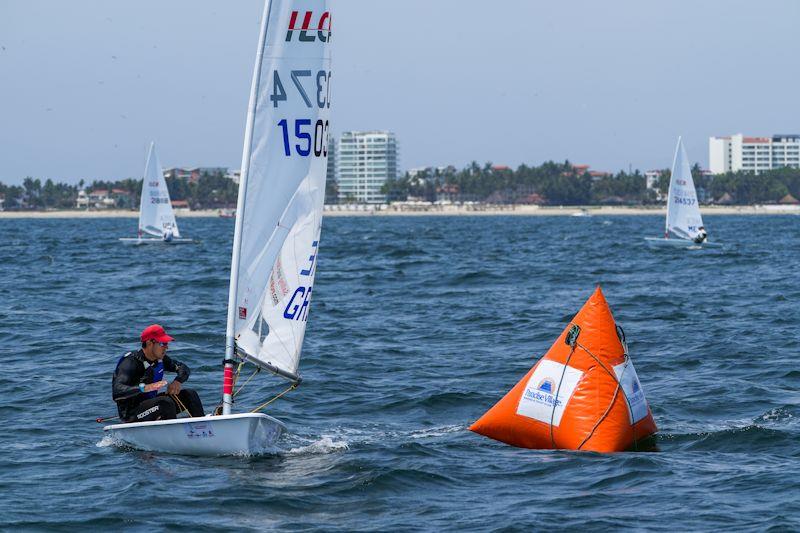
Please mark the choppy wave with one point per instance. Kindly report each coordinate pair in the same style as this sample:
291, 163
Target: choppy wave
418, 326
323, 445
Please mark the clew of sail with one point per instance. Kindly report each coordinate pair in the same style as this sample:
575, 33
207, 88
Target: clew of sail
284, 165
683, 210
155, 209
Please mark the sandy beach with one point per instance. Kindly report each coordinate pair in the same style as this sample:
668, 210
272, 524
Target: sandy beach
102, 213
533, 210
445, 210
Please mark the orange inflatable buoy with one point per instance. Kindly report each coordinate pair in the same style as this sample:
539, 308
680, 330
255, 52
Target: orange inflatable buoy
584, 393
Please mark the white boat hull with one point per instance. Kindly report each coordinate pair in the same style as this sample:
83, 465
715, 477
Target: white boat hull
136, 242
660, 242
239, 434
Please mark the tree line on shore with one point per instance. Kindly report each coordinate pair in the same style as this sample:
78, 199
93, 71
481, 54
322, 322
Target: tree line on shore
209, 191
565, 184
548, 184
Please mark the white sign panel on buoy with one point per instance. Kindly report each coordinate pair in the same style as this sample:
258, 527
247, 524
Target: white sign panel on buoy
627, 377
539, 399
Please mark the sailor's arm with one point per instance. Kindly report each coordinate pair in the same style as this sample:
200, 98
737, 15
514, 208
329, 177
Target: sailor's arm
125, 381
173, 365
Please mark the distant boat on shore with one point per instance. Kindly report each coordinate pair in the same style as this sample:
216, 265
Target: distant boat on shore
227, 213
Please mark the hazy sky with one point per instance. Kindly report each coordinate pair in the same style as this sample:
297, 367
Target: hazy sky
86, 84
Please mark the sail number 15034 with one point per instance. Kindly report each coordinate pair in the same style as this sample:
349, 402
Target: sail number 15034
306, 140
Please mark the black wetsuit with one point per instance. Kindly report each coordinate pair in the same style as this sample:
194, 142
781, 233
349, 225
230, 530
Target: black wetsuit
137, 406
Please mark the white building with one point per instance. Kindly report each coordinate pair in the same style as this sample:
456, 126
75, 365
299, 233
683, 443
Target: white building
331, 175
332, 160
234, 175
652, 178
98, 199
82, 201
364, 161
753, 154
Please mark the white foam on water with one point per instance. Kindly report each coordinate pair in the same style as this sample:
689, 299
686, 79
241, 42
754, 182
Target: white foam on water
780, 418
344, 438
440, 431
776, 414
107, 441
323, 445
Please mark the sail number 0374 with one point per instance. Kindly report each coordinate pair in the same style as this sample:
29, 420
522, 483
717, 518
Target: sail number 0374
323, 83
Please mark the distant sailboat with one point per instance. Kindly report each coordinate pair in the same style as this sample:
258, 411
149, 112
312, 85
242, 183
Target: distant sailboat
684, 223
156, 217
278, 222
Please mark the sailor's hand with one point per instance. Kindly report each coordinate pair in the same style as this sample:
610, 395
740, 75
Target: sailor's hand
174, 388
155, 386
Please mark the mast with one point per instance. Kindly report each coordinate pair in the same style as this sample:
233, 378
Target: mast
227, 380
139, 231
669, 191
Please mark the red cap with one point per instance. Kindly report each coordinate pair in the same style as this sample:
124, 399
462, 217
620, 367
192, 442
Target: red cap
156, 333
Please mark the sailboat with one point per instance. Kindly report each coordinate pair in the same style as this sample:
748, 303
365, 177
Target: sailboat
277, 231
683, 211
156, 217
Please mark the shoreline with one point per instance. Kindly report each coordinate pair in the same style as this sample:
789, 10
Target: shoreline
446, 210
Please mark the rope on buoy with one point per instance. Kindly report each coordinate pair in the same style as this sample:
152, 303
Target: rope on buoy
572, 340
613, 398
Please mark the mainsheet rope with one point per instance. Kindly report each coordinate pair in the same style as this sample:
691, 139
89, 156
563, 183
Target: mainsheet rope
257, 370
263, 405
178, 401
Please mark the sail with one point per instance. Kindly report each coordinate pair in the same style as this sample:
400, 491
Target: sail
683, 211
282, 187
155, 209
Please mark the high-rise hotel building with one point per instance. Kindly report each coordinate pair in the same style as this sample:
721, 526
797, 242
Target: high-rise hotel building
364, 161
330, 177
753, 154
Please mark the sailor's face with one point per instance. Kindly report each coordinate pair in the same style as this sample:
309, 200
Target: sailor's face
160, 349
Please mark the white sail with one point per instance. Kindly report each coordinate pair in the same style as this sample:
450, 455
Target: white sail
155, 209
282, 187
683, 210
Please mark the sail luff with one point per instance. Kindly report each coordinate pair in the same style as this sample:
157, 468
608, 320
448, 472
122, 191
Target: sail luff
227, 398
670, 205
142, 195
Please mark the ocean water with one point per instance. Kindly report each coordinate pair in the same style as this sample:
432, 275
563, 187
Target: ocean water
418, 325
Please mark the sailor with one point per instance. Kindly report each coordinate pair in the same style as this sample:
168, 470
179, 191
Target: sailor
167, 236
140, 374
702, 235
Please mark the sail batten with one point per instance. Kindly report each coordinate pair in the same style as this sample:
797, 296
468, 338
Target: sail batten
683, 209
156, 216
282, 187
